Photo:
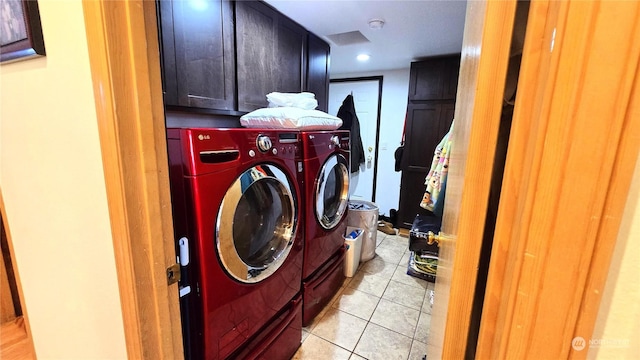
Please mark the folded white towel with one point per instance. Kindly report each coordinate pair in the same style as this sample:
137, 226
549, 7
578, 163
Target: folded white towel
303, 100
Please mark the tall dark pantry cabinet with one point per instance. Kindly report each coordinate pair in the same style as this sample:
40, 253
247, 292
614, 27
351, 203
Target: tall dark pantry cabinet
432, 95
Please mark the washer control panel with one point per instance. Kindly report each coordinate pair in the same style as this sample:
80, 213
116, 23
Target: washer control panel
263, 142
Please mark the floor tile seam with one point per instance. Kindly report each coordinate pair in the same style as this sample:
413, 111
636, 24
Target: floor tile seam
332, 343
348, 313
415, 332
412, 341
359, 317
422, 296
385, 287
416, 287
386, 328
392, 263
376, 308
396, 331
359, 337
341, 347
397, 303
413, 284
403, 305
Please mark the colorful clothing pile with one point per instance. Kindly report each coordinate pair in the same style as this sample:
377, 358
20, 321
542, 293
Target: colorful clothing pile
437, 177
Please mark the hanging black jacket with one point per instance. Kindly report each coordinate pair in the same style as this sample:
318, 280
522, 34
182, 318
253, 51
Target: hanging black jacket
347, 113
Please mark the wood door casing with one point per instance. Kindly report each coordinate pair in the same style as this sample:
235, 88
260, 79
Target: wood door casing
573, 149
122, 37
15, 334
477, 113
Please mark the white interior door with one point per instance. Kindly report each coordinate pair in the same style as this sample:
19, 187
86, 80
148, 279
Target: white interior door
366, 99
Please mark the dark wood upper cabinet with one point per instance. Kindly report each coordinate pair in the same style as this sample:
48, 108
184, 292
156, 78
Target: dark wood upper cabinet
224, 57
430, 110
198, 53
318, 70
271, 52
434, 79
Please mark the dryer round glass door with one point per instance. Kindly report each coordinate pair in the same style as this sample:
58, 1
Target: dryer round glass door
256, 223
332, 191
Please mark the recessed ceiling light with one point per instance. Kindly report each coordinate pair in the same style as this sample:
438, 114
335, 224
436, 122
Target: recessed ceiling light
363, 57
199, 5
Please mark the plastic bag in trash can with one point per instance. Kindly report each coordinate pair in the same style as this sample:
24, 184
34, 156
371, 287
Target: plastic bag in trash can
364, 215
353, 242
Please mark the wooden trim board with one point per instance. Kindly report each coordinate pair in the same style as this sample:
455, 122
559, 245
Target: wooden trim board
124, 57
571, 157
15, 336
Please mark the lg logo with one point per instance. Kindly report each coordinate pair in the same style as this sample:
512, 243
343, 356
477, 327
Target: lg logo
204, 137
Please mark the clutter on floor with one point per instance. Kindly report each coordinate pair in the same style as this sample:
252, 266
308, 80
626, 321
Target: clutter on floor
423, 261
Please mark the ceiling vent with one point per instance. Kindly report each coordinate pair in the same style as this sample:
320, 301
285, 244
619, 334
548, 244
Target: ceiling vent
348, 38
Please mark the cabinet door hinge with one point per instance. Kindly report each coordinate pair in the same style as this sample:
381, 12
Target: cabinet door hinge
173, 274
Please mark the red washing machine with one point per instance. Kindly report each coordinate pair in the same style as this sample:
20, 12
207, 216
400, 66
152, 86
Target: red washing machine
326, 188
236, 206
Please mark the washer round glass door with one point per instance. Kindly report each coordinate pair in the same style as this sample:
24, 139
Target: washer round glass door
256, 223
332, 191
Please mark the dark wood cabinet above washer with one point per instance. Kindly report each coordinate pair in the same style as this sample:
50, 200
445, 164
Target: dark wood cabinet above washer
271, 54
318, 70
224, 57
198, 54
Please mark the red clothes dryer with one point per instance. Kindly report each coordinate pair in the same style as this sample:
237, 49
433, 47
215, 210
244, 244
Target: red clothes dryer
235, 200
325, 184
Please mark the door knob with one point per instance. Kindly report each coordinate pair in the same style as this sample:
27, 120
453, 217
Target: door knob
431, 238
370, 149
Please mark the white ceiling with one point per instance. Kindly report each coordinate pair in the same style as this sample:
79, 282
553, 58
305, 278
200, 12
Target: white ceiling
413, 29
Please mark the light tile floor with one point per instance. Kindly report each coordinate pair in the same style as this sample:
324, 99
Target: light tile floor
380, 313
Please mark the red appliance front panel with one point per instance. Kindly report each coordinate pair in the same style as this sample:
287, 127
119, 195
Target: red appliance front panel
232, 312
320, 243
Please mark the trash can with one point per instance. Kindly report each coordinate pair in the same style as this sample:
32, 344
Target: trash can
364, 215
353, 242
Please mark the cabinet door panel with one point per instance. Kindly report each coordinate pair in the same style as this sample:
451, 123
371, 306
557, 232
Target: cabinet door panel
256, 46
270, 50
204, 54
426, 81
168, 51
318, 70
434, 79
290, 65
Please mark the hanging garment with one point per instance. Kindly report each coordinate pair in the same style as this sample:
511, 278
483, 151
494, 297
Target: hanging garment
400, 150
437, 177
347, 113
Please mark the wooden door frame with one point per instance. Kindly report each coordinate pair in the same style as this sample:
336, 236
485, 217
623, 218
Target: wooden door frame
124, 57
483, 67
572, 153
125, 67
15, 336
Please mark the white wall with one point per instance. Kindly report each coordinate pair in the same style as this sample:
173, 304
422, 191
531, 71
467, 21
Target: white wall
395, 91
618, 323
54, 193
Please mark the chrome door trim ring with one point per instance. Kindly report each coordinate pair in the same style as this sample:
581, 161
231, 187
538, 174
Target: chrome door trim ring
224, 241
